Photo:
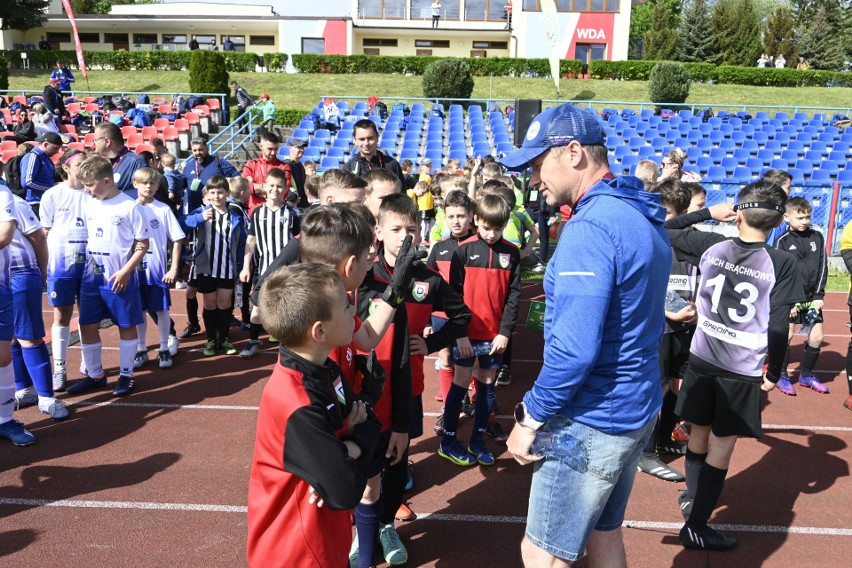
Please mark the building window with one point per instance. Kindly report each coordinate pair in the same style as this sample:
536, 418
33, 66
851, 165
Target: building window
587, 52
576, 6
380, 42
172, 38
390, 9
57, 37
445, 43
313, 45
115, 38
90, 38
262, 40
422, 10
371, 51
142, 39
490, 45
424, 53
484, 9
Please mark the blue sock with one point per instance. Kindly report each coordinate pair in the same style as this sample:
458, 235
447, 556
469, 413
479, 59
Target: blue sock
22, 376
367, 523
485, 398
38, 364
452, 408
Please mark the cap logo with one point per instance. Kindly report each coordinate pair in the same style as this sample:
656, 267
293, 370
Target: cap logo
533, 130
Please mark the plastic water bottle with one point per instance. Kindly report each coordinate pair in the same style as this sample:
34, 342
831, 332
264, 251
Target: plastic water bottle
480, 348
238, 294
811, 317
561, 445
674, 303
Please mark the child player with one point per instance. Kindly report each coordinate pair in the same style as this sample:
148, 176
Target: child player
154, 279
314, 439
272, 226
744, 299
808, 247
117, 243
486, 271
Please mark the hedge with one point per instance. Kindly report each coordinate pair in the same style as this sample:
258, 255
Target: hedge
416, 65
709, 73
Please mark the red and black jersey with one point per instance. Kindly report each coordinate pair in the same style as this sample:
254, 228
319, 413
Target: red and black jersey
301, 425
442, 254
489, 280
429, 293
344, 356
394, 407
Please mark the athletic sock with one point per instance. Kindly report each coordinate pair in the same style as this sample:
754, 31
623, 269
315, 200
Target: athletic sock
164, 327
192, 310
254, 331
367, 524
19, 368
224, 325
452, 408
393, 488
60, 337
786, 363
485, 398
445, 378
668, 418
92, 359
711, 481
37, 361
210, 324
809, 360
693, 464
7, 393
142, 333
126, 355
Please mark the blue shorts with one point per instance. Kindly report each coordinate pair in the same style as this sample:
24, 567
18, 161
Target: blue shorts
27, 288
415, 429
63, 291
6, 317
437, 323
123, 308
379, 462
155, 298
588, 490
485, 361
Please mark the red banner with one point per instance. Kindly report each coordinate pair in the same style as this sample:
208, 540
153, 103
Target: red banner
80, 60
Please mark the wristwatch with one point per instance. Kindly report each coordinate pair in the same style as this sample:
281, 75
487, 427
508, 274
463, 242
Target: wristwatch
523, 418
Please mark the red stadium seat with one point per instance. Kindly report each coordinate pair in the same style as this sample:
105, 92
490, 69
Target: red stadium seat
161, 124
87, 100
144, 148
159, 101
55, 158
201, 110
133, 141
89, 140
69, 128
149, 132
7, 145
182, 125
77, 146
8, 155
214, 104
165, 109
92, 107
20, 99
7, 115
192, 118
73, 108
128, 131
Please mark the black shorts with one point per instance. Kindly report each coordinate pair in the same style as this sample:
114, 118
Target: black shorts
208, 284
415, 430
674, 355
730, 405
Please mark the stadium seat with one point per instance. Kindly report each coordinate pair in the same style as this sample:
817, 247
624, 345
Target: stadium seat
704, 163
832, 167
755, 164
805, 166
133, 141
149, 132
329, 163
742, 174
730, 164
716, 174
8, 145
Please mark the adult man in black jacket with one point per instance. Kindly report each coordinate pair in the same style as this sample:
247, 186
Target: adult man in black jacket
369, 155
53, 101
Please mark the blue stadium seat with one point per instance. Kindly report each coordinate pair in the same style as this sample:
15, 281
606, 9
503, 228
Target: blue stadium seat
505, 148
819, 146
766, 156
814, 156
481, 149
646, 153
779, 164
460, 155
783, 116
762, 115
434, 145
841, 146
322, 134
703, 163
751, 146
741, 154
716, 174
628, 165
436, 157
658, 144
832, 167
798, 176
742, 174
411, 144
839, 157
805, 166
755, 165
329, 162
821, 177
336, 152
717, 155
716, 137
845, 176
311, 154
730, 164
760, 137
301, 133
704, 146
738, 137
747, 129
790, 155
457, 146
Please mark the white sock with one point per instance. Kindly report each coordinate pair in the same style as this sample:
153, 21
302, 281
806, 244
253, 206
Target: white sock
60, 335
7, 393
164, 324
126, 354
92, 359
142, 332
45, 401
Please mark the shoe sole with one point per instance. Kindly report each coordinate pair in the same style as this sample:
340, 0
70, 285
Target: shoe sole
20, 445
456, 460
815, 390
480, 461
664, 473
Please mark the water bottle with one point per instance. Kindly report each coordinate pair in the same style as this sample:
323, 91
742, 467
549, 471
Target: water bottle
238, 294
811, 317
480, 348
674, 303
561, 445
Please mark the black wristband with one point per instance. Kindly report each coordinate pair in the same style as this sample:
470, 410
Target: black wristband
392, 298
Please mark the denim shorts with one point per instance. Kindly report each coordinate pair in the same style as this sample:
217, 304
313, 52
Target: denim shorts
573, 495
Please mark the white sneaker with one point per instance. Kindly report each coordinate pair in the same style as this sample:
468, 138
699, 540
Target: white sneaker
140, 359
174, 345
180, 285
54, 408
60, 378
25, 397
250, 350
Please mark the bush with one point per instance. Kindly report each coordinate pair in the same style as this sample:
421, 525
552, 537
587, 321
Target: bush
669, 83
290, 117
275, 61
207, 72
448, 79
4, 73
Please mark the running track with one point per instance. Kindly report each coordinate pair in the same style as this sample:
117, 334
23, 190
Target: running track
160, 478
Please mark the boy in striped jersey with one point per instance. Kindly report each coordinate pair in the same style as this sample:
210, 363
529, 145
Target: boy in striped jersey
272, 226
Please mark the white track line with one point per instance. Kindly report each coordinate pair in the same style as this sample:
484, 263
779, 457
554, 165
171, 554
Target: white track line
441, 517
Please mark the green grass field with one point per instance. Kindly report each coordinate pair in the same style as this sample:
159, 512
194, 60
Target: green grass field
302, 91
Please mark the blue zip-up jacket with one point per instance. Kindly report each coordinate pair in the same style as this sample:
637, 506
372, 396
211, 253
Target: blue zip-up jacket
605, 288
38, 174
201, 258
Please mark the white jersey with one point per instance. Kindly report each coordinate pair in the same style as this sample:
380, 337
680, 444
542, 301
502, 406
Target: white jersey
21, 253
7, 214
63, 212
163, 228
113, 226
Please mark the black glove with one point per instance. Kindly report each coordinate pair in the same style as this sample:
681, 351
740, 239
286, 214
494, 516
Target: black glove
373, 378
403, 273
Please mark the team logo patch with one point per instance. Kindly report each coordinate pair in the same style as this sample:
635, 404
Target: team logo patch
419, 290
79, 222
116, 220
154, 223
374, 303
338, 390
116, 176
53, 294
504, 260
813, 246
99, 232
349, 355
533, 130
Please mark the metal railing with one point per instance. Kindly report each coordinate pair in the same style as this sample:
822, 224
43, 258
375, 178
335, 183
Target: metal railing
244, 125
152, 95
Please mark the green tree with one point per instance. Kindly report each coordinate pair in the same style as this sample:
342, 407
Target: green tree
207, 73
661, 41
779, 34
448, 79
820, 43
22, 14
697, 38
640, 23
668, 83
738, 32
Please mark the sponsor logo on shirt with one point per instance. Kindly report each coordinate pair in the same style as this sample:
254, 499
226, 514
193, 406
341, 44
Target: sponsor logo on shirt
813, 246
474, 257
724, 333
374, 303
79, 222
443, 252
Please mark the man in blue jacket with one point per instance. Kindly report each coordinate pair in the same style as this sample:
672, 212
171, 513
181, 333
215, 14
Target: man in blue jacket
38, 174
599, 385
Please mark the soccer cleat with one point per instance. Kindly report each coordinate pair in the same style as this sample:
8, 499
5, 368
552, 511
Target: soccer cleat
848, 402
250, 350
706, 539
180, 285
124, 386
479, 449
496, 431
165, 359
813, 383
652, 465
539, 268
392, 548
404, 513
54, 408
439, 397
786, 387
59, 380
87, 383
409, 482
439, 425
25, 397
504, 376
684, 501
16, 432
210, 348
140, 359
272, 339
228, 349
673, 447
681, 432
174, 345
235, 322
454, 452
190, 329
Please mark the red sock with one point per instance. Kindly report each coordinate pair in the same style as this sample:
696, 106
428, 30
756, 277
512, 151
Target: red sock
445, 378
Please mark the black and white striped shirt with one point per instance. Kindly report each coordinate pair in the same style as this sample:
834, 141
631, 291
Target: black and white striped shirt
272, 229
219, 235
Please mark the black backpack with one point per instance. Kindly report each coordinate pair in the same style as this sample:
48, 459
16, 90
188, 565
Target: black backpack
13, 175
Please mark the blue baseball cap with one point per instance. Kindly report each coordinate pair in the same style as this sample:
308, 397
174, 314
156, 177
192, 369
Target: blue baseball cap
556, 126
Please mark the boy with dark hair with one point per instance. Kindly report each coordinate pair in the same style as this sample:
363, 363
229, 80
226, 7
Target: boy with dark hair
699, 197
807, 245
784, 180
486, 271
380, 183
255, 171
409, 177
743, 305
315, 439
